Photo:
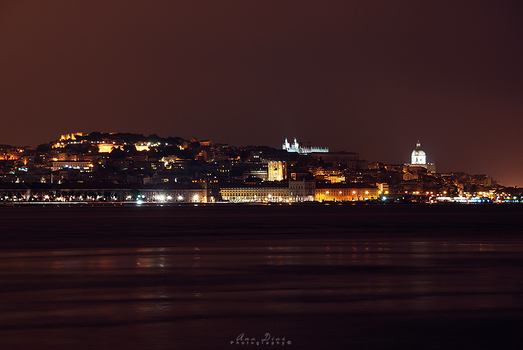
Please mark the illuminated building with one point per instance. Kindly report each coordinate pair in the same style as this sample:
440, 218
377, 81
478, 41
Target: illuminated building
107, 147
296, 148
383, 188
105, 192
141, 146
276, 170
332, 175
346, 192
11, 154
295, 191
82, 166
418, 158
171, 162
71, 136
254, 193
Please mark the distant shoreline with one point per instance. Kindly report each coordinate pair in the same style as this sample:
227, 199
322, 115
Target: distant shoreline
192, 204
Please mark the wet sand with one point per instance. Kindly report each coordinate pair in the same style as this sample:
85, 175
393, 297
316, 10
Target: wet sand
319, 277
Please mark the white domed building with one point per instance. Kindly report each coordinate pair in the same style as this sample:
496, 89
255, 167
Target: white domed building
418, 158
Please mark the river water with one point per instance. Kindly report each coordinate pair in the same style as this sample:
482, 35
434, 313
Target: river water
231, 277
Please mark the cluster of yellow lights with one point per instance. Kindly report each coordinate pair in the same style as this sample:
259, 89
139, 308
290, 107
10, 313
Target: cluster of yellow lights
107, 147
70, 136
141, 148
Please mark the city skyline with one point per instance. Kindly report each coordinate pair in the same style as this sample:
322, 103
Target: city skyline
370, 78
418, 156
136, 169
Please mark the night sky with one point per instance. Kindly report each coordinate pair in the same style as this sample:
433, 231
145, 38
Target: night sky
370, 77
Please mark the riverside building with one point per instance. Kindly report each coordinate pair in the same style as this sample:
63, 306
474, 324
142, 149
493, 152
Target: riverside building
294, 191
348, 192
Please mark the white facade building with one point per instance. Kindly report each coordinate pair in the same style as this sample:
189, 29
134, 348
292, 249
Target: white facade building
296, 148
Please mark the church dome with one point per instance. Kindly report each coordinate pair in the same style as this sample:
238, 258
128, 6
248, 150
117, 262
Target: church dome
418, 156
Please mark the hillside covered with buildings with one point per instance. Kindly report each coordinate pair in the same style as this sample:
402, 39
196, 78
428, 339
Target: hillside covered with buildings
102, 167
